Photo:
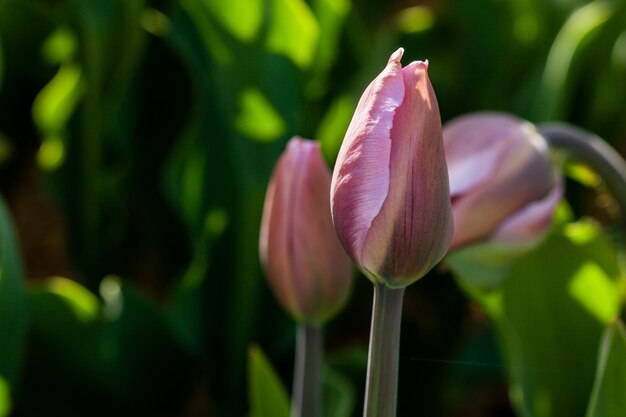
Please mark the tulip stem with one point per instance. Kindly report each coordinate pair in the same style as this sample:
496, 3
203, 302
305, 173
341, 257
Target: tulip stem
381, 391
593, 151
306, 400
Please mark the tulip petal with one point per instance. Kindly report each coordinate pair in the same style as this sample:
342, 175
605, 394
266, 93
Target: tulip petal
276, 240
511, 169
474, 135
469, 172
360, 182
526, 227
305, 263
325, 288
413, 229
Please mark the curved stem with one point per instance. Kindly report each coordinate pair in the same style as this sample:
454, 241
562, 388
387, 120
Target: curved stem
381, 391
306, 379
593, 151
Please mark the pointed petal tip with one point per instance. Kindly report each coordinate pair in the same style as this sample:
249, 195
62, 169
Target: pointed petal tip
298, 145
416, 67
396, 56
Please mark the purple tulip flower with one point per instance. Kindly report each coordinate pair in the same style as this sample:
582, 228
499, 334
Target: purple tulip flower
503, 185
389, 194
305, 263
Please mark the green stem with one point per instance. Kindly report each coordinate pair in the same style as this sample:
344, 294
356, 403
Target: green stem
306, 380
593, 151
381, 391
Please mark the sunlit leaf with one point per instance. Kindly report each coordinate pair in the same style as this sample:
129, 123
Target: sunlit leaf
559, 297
293, 31
60, 46
83, 304
331, 15
527, 23
51, 153
580, 26
257, 118
334, 125
268, 397
154, 21
415, 19
55, 104
608, 399
5, 397
242, 18
583, 174
591, 279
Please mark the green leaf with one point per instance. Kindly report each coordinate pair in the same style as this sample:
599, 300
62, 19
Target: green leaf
334, 125
608, 399
339, 395
268, 397
258, 119
211, 37
54, 105
85, 349
550, 313
415, 19
484, 266
577, 30
12, 303
60, 46
242, 18
5, 398
52, 109
331, 15
293, 31
83, 305
582, 174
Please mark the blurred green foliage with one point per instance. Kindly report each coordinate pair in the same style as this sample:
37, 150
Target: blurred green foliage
12, 308
550, 317
607, 399
136, 141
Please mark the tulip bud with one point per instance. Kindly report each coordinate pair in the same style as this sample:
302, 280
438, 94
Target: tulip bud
503, 185
389, 195
305, 263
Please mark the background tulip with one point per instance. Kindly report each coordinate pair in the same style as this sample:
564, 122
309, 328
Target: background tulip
503, 185
309, 271
389, 198
305, 263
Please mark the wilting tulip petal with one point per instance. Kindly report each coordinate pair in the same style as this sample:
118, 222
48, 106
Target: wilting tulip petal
305, 263
389, 198
499, 168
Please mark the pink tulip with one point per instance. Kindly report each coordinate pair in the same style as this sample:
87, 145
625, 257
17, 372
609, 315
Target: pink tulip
305, 263
389, 194
502, 183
